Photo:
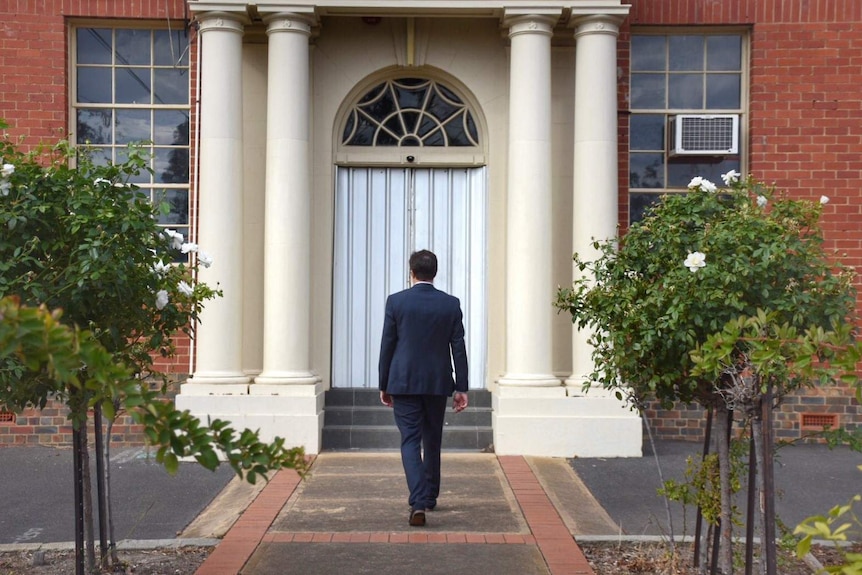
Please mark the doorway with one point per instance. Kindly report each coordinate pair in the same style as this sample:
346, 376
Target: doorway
382, 215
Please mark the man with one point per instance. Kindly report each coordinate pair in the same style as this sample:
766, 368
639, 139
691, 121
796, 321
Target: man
423, 336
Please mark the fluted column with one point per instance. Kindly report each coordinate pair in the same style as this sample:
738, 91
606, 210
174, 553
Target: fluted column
529, 283
596, 155
287, 237
218, 338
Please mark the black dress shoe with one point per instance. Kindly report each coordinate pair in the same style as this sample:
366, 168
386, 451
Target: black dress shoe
417, 517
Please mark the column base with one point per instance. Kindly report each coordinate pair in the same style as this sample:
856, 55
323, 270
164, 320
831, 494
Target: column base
286, 378
549, 422
293, 412
578, 386
218, 378
529, 380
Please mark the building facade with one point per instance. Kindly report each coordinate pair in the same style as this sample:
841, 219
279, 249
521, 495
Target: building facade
309, 147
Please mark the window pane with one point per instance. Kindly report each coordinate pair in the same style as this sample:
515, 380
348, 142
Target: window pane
686, 53
685, 91
133, 85
456, 133
381, 108
364, 134
647, 132
648, 53
410, 97
428, 124
682, 169
94, 85
435, 138
639, 203
94, 45
171, 127
724, 53
172, 165
100, 156
171, 48
178, 202
646, 170
93, 126
171, 86
133, 126
440, 108
143, 177
648, 91
133, 47
722, 91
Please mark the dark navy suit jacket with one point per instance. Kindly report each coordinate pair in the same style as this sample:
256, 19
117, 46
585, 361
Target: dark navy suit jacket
423, 335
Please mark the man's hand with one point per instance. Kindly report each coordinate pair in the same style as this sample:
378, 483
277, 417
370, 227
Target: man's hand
459, 401
385, 399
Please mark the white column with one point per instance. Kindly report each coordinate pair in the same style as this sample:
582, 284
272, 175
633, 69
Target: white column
287, 237
529, 283
595, 160
218, 337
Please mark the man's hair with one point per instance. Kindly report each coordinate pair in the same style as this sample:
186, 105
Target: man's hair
423, 264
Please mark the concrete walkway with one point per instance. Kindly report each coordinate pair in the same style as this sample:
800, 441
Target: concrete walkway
501, 515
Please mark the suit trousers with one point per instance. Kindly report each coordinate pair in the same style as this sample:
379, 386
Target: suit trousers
420, 420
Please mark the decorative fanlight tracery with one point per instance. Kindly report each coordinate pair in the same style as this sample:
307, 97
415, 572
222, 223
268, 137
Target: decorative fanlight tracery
410, 112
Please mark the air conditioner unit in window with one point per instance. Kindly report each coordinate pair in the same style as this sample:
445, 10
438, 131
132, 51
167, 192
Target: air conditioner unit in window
704, 135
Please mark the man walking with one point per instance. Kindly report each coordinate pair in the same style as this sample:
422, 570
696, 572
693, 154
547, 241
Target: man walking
423, 336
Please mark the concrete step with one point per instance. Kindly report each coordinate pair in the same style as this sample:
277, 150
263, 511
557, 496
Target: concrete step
382, 415
355, 419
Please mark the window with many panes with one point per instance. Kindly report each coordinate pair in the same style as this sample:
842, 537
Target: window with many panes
672, 74
131, 86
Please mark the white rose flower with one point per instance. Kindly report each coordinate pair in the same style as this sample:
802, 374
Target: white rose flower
7, 170
730, 177
708, 186
824, 200
762, 201
185, 288
695, 183
205, 259
189, 247
161, 299
694, 261
160, 268
176, 238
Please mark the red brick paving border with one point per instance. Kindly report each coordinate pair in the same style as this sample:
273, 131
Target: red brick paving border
548, 532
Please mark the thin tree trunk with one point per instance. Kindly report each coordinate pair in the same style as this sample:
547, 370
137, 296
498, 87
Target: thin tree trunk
661, 482
88, 503
722, 439
100, 487
757, 437
112, 542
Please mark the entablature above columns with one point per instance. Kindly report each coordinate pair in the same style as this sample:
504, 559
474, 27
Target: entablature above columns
501, 9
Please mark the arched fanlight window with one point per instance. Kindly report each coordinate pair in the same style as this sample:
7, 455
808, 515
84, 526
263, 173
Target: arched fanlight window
410, 112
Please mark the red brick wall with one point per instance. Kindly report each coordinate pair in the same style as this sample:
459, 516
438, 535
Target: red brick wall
34, 36
804, 122
804, 135
51, 427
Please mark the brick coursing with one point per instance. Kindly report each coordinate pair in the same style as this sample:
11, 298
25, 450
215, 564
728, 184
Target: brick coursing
803, 132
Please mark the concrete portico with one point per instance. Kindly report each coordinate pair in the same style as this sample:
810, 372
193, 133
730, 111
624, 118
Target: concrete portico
311, 63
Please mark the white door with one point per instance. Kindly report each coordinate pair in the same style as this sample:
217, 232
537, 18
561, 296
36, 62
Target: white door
382, 216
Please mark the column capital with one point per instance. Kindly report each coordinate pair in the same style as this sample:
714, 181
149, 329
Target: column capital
596, 23
531, 20
275, 11
224, 21
289, 22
